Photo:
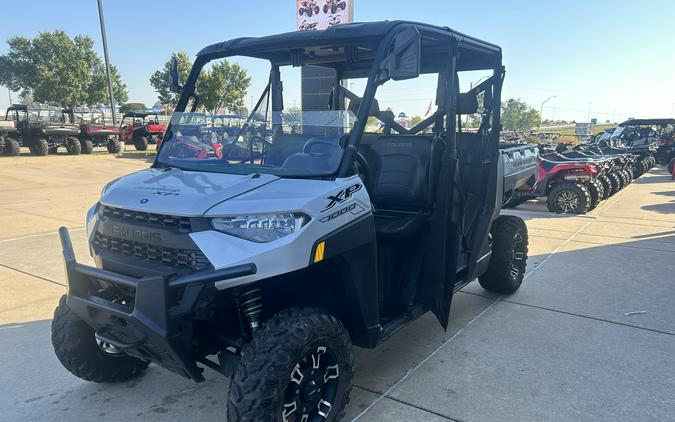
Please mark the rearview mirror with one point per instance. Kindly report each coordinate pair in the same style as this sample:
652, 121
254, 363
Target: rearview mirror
174, 84
403, 61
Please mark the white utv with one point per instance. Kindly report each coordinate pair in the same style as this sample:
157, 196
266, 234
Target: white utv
266, 255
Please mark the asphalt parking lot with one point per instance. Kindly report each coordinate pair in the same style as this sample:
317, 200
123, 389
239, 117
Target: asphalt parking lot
589, 336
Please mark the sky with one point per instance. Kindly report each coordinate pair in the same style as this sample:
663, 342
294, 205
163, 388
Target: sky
606, 59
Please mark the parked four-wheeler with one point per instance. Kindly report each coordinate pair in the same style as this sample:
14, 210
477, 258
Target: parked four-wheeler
44, 129
308, 8
141, 128
268, 268
333, 6
95, 132
9, 144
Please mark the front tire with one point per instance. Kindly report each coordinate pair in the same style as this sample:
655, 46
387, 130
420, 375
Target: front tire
569, 198
299, 363
597, 193
73, 146
39, 147
75, 345
606, 186
141, 143
508, 262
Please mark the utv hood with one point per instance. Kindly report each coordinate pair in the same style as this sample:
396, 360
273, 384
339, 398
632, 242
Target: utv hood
178, 192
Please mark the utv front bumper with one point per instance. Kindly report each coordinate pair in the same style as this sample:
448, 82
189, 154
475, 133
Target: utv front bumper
156, 326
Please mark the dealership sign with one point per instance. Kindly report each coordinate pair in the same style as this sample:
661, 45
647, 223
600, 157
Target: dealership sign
322, 14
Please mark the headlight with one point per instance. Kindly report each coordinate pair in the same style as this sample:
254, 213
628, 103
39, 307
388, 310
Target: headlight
262, 227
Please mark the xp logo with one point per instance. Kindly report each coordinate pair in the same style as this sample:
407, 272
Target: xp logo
144, 201
341, 196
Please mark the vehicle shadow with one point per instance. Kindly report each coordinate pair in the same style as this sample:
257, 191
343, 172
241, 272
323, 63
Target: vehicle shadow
146, 156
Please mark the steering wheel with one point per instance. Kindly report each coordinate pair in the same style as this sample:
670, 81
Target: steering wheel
307, 148
363, 167
250, 143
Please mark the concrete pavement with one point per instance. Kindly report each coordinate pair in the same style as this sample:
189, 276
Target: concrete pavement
589, 336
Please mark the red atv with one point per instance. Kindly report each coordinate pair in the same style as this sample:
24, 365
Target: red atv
308, 8
141, 128
571, 186
94, 132
334, 6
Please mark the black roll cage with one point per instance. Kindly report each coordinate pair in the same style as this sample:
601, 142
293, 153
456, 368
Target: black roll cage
364, 46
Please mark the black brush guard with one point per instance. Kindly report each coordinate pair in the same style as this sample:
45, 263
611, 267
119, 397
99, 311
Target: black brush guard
155, 328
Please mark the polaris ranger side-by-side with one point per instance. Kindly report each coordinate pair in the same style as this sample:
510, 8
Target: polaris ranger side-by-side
95, 132
267, 267
44, 129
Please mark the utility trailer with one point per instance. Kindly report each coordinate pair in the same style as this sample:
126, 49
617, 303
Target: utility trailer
268, 267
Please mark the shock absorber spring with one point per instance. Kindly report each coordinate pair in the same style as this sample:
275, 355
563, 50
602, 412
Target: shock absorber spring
251, 306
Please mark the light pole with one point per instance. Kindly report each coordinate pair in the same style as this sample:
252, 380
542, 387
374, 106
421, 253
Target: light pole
107, 63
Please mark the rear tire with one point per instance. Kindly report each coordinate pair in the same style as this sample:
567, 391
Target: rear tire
508, 262
76, 347
73, 146
39, 147
569, 198
86, 146
12, 147
114, 146
141, 143
299, 356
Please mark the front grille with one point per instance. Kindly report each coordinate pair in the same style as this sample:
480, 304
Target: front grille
188, 258
175, 222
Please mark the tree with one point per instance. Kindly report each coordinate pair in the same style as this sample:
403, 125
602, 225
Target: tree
132, 107
99, 92
53, 68
161, 79
223, 85
517, 115
292, 115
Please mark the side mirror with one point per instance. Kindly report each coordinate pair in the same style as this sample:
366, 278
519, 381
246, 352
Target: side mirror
174, 84
404, 59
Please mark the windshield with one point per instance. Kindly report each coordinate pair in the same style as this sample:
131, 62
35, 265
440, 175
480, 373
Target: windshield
274, 137
292, 144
